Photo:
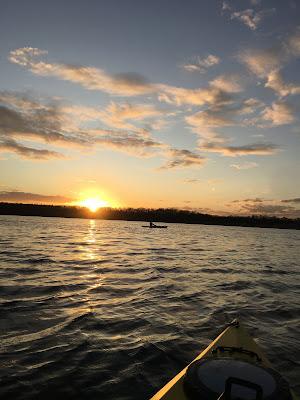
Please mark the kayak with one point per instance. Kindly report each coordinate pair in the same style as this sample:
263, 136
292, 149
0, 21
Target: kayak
233, 366
153, 227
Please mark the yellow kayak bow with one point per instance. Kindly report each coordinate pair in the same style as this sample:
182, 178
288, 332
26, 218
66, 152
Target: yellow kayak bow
234, 346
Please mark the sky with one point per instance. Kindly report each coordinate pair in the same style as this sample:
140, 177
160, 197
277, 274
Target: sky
187, 104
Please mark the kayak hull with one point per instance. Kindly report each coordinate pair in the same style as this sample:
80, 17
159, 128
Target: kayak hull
155, 227
234, 335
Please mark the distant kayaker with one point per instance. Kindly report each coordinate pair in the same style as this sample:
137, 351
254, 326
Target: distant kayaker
151, 224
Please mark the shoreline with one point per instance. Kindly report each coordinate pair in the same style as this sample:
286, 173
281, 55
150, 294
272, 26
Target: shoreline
162, 215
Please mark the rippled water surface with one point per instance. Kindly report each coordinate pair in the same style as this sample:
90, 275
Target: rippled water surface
109, 310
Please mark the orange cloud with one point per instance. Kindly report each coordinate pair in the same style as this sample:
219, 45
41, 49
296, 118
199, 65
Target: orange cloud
279, 113
261, 149
129, 84
198, 64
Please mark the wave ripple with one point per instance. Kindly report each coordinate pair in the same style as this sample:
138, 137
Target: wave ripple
104, 309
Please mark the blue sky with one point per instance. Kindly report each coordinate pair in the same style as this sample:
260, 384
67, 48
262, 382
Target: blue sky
177, 104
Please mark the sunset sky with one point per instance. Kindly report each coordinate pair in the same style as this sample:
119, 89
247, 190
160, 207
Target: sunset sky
187, 104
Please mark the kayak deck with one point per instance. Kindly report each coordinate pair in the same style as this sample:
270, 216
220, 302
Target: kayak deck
234, 335
154, 227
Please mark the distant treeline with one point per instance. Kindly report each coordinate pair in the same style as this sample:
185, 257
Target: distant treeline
169, 215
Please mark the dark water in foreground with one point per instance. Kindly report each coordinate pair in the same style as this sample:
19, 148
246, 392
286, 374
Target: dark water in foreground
109, 310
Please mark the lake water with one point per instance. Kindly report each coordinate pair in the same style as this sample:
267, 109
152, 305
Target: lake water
96, 309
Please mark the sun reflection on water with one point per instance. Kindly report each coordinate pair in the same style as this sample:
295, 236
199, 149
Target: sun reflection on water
89, 247
90, 255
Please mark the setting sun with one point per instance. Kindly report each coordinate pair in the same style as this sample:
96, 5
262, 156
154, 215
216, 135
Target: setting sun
93, 198
93, 204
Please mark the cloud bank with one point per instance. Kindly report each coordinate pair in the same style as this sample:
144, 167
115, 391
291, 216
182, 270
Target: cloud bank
257, 206
214, 107
25, 197
55, 124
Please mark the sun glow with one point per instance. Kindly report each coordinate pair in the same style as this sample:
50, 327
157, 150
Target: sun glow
94, 199
93, 204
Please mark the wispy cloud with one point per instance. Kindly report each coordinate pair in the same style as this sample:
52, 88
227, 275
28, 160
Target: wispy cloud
263, 61
275, 82
229, 83
213, 117
260, 149
259, 206
252, 200
245, 165
208, 122
126, 84
252, 18
295, 200
267, 63
219, 91
123, 84
24, 119
225, 6
123, 116
249, 106
11, 146
192, 180
221, 108
25, 197
293, 43
198, 64
26, 56
183, 159
279, 113
197, 97
138, 143
118, 115
46, 125
53, 123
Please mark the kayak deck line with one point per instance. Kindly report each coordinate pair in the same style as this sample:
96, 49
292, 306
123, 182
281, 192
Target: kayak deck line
233, 339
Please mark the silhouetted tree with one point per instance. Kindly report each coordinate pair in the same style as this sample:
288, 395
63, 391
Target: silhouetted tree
169, 215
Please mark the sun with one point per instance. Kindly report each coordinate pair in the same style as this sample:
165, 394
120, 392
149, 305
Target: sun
93, 199
93, 204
